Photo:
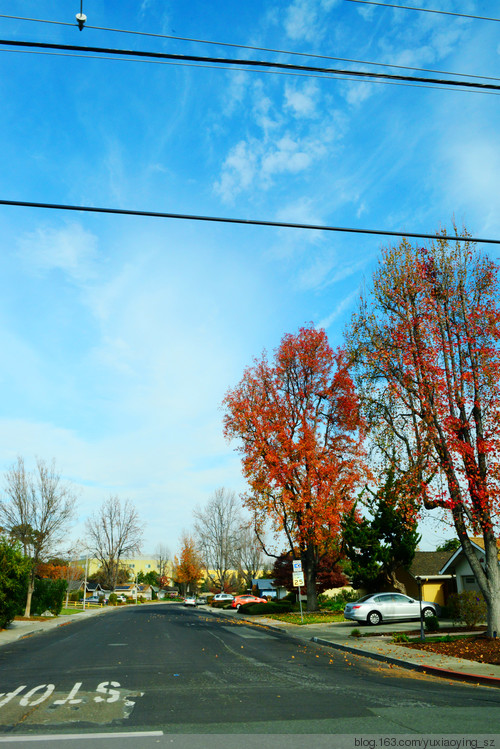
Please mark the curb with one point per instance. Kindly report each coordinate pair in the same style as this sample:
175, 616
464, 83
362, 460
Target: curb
490, 681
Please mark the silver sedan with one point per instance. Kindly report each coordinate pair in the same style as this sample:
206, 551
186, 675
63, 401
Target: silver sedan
377, 607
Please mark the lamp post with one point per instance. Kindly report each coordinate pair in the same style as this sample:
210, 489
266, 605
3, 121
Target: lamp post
419, 583
85, 583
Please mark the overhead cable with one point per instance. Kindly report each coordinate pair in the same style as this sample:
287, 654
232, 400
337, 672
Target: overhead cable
257, 49
425, 10
246, 222
251, 63
246, 70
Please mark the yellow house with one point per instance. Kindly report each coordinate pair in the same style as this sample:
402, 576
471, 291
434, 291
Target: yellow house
140, 563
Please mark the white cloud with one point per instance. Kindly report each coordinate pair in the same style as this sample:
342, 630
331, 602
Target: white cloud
239, 170
287, 156
71, 249
339, 310
302, 102
300, 20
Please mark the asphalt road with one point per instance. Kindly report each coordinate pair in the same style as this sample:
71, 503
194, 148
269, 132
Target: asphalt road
181, 671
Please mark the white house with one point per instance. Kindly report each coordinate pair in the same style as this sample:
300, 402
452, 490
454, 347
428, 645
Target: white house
458, 566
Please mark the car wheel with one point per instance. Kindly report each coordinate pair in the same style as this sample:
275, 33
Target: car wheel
428, 612
373, 617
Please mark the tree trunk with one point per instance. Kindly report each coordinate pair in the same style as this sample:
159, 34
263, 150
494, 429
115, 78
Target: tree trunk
31, 588
310, 569
493, 576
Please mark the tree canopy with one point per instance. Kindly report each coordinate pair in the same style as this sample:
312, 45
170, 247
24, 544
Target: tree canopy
298, 428
425, 340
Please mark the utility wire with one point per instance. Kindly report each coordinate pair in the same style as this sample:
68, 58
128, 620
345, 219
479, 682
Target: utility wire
253, 63
258, 49
247, 222
246, 70
425, 10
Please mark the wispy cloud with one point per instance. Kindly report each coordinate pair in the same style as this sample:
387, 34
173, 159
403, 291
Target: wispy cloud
71, 249
339, 310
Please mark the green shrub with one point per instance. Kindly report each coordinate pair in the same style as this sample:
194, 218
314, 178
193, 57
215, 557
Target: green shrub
265, 608
48, 596
14, 571
431, 623
220, 604
453, 606
468, 606
113, 599
472, 608
337, 602
400, 637
356, 633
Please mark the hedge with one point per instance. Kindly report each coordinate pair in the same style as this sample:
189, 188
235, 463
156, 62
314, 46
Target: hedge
265, 608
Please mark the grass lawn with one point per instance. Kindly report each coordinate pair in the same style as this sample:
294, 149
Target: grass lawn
66, 612
316, 617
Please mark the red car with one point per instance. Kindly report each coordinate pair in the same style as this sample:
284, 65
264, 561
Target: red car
246, 598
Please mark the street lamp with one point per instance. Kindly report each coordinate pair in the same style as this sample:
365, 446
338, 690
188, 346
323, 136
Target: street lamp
419, 583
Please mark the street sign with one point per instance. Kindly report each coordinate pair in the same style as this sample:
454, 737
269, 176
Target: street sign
296, 565
298, 579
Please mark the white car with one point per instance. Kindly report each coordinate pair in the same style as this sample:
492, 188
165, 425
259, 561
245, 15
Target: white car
190, 601
223, 597
378, 607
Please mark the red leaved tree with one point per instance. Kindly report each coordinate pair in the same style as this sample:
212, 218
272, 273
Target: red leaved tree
300, 436
426, 342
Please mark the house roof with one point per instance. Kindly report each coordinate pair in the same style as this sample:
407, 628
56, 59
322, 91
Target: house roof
477, 542
75, 585
429, 563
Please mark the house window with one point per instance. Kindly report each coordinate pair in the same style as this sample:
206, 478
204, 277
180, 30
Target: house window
148, 566
470, 579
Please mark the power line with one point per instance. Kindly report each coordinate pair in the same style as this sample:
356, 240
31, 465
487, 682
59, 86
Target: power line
256, 49
246, 222
247, 70
252, 63
425, 10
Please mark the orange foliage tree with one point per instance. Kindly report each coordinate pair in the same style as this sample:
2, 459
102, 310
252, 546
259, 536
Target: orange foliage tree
187, 568
58, 570
426, 344
300, 435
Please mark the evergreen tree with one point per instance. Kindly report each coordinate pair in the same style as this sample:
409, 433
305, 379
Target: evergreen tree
376, 548
15, 571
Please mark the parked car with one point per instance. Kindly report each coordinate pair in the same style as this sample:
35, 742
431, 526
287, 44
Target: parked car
121, 598
94, 599
377, 607
246, 598
223, 597
201, 600
190, 601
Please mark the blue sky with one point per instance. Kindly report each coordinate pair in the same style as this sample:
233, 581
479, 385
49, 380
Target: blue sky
121, 335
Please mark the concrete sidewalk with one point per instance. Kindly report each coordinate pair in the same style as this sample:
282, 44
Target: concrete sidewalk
19, 629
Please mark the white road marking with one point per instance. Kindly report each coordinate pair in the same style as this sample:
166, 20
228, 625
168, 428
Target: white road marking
25, 701
10, 695
103, 689
86, 736
71, 696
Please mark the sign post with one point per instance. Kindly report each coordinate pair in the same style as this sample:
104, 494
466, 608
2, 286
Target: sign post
298, 581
